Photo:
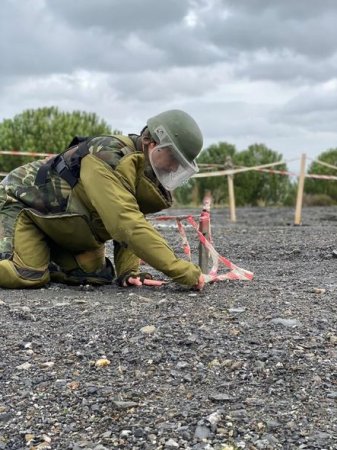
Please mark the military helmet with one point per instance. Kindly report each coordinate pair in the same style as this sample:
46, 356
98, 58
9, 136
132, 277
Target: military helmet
182, 129
179, 140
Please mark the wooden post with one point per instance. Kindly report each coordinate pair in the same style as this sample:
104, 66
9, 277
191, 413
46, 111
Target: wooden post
231, 196
300, 189
204, 228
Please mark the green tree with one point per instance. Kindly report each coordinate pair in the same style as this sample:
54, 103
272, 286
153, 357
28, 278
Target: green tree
257, 187
193, 192
45, 130
323, 187
217, 155
251, 188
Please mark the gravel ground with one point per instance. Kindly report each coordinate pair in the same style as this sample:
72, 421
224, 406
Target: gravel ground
241, 365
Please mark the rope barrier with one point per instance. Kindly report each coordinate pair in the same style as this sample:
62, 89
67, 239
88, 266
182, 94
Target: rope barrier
307, 175
331, 166
18, 153
320, 177
234, 171
235, 273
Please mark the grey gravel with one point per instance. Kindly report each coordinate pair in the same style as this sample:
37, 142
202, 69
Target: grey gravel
247, 365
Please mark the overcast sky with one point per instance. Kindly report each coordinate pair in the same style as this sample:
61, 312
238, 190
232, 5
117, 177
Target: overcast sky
249, 71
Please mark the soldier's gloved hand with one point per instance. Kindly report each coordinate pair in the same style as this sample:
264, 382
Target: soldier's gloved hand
203, 279
139, 279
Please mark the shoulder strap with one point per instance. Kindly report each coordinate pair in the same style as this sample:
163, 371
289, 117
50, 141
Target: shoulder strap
70, 173
43, 171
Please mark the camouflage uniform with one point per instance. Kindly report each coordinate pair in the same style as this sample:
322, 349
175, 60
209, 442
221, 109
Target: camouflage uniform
48, 221
18, 189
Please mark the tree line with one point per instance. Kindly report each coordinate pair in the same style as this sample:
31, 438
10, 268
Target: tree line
49, 130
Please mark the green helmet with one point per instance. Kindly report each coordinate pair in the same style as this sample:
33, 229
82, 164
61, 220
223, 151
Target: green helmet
182, 129
178, 142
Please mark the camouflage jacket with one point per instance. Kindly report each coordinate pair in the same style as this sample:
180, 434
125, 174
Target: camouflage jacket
53, 195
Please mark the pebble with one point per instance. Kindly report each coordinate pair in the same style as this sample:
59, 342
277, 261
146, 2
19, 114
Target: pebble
124, 405
202, 432
148, 329
236, 310
286, 322
171, 443
219, 397
24, 366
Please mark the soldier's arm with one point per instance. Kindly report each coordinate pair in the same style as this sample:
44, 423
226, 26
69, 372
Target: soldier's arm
125, 260
113, 198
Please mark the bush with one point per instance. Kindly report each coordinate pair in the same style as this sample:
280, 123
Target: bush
318, 200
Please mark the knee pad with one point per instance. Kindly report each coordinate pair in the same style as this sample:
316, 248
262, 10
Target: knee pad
13, 277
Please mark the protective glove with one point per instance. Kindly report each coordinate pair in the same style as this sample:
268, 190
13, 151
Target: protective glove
203, 279
139, 279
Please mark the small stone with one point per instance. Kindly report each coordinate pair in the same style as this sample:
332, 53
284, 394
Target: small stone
182, 365
148, 329
48, 364
24, 366
236, 310
124, 405
103, 362
332, 338
221, 397
202, 432
319, 291
106, 435
171, 443
125, 433
332, 394
80, 301
214, 419
286, 322
139, 432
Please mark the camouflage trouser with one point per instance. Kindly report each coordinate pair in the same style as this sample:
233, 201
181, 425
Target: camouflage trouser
81, 267
9, 210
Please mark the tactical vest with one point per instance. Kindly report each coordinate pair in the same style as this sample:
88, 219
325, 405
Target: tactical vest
151, 196
68, 163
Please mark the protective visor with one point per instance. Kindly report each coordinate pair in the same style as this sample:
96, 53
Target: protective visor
170, 166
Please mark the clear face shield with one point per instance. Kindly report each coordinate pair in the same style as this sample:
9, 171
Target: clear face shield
170, 166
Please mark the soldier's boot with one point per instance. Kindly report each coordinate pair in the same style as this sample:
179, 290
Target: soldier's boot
87, 267
79, 276
5, 255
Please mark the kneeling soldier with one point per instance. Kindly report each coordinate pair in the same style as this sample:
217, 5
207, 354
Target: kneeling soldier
56, 214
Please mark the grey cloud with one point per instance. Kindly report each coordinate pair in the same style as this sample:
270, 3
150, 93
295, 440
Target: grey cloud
265, 28
164, 85
286, 67
312, 101
285, 9
58, 36
121, 15
313, 110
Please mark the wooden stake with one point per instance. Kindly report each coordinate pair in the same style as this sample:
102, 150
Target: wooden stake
300, 190
230, 183
231, 197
